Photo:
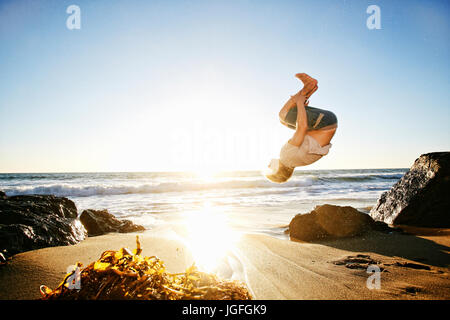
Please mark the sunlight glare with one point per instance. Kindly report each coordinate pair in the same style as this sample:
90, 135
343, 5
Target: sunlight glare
210, 237
206, 174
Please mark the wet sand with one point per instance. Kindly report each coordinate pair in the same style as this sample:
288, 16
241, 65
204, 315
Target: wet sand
414, 266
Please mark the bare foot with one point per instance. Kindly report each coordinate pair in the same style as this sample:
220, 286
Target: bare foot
309, 84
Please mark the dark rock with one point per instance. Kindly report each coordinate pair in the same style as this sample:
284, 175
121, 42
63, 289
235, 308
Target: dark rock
37, 221
342, 221
384, 227
305, 227
98, 222
362, 266
329, 221
2, 195
412, 265
412, 289
421, 197
360, 261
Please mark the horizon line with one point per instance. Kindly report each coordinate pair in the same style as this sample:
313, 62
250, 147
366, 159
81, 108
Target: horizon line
187, 171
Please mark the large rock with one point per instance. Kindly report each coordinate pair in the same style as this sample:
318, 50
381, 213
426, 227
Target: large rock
421, 197
342, 221
306, 228
98, 222
36, 221
329, 222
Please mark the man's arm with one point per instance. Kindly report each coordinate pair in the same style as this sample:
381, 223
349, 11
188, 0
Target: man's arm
302, 123
288, 105
291, 103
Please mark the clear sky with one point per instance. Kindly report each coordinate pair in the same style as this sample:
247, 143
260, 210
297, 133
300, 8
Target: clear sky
189, 85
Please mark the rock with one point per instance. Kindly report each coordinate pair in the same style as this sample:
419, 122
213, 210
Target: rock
384, 227
412, 265
360, 261
37, 221
305, 227
421, 197
98, 222
342, 221
329, 222
2, 195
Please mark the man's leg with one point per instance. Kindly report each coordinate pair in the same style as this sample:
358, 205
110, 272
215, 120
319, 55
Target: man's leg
323, 136
323, 125
286, 113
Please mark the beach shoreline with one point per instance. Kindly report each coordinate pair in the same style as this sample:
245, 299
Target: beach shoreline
414, 266
246, 199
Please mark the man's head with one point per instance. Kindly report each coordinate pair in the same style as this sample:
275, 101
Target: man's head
278, 172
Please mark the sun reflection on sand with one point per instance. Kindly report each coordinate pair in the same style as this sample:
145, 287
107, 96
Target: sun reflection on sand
209, 236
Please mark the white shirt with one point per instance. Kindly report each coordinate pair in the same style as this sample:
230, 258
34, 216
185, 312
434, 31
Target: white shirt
309, 152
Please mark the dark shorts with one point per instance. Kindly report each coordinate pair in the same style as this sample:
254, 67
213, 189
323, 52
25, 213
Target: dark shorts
317, 118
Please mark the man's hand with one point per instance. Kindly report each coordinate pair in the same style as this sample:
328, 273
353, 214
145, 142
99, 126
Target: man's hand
299, 98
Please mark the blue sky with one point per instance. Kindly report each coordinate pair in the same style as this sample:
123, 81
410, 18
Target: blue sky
197, 85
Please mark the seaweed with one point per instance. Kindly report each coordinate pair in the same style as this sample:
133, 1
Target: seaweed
126, 275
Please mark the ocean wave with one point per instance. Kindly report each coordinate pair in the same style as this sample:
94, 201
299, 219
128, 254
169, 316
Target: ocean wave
360, 178
65, 190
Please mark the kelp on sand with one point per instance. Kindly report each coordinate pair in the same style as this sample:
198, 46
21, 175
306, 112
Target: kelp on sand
126, 275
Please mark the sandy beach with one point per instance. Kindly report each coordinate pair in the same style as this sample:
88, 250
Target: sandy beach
415, 266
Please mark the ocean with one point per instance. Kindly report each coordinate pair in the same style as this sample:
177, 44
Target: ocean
243, 200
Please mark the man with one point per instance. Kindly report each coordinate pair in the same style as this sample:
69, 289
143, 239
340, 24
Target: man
314, 129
